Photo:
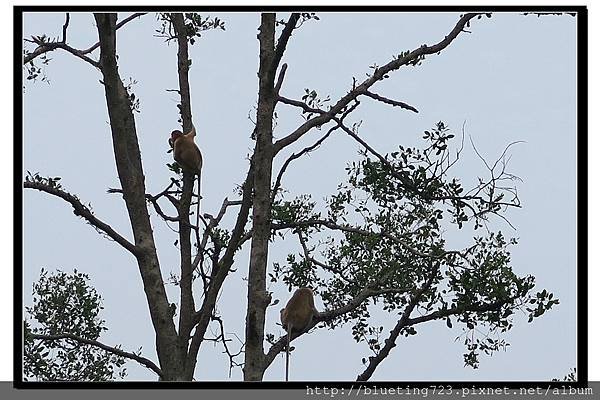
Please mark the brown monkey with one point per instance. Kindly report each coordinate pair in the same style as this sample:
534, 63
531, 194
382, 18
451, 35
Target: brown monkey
185, 151
297, 316
188, 156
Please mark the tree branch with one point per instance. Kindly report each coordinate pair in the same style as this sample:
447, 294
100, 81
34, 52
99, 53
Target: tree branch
202, 318
302, 105
142, 360
80, 210
351, 229
295, 156
47, 47
390, 342
460, 199
214, 222
378, 75
283, 40
280, 79
65, 26
459, 310
117, 27
330, 315
394, 103
406, 321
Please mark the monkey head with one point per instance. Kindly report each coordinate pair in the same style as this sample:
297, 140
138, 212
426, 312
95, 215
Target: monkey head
176, 134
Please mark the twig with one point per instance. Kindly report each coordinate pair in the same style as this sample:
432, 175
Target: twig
394, 103
312, 260
295, 156
280, 79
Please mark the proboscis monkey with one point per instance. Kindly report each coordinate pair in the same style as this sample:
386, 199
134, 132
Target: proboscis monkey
188, 155
297, 316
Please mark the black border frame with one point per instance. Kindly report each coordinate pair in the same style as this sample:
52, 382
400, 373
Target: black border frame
582, 206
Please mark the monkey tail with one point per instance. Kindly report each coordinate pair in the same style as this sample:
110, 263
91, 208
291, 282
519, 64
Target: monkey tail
287, 352
198, 214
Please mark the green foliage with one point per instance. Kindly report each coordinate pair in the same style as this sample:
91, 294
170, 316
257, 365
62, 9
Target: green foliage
389, 224
195, 25
65, 304
313, 100
52, 182
34, 71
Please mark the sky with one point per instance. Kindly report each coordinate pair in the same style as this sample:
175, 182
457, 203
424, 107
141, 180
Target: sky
512, 78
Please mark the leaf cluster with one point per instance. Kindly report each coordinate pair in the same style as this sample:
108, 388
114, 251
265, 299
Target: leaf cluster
388, 224
195, 25
66, 303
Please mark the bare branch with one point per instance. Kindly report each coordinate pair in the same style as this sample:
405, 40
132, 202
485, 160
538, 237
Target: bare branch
394, 103
142, 360
153, 199
65, 26
280, 79
119, 25
283, 40
308, 257
214, 222
47, 47
80, 210
378, 75
295, 156
202, 317
224, 340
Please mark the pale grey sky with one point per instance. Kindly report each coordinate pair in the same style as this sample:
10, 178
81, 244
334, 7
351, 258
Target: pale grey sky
512, 78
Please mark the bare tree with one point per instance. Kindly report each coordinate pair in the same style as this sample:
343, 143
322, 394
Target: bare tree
382, 230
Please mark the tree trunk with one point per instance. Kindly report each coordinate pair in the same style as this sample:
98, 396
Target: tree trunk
131, 176
258, 298
186, 302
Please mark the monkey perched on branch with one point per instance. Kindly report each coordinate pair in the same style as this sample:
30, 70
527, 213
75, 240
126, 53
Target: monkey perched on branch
297, 316
185, 151
188, 156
